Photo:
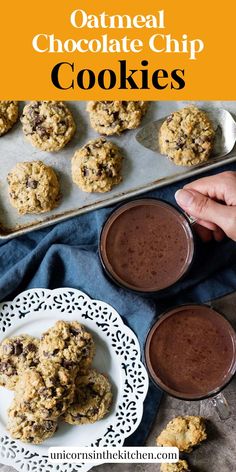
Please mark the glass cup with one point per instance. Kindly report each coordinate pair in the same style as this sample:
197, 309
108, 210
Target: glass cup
190, 353
146, 245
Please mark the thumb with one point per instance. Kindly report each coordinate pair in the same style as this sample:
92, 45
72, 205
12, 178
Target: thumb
204, 208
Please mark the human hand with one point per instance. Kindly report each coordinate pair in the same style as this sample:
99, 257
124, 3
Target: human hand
212, 201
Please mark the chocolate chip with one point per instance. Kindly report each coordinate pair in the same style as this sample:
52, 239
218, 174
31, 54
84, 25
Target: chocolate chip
77, 417
115, 115
109, 173
46, 354
55, 352
23, 417
31, 184
37, 121
49, 425
35, 428
18, 348
7, 368
60, 406
53, 391
43, 132
67, 364
8, 349
85, 171
180, 143
28, 405
4, 366
31, 347
75, 331
100, 169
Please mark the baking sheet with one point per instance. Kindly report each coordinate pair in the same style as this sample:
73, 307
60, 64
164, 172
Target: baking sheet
143, 169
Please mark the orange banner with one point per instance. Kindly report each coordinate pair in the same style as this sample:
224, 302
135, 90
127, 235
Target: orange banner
87, 50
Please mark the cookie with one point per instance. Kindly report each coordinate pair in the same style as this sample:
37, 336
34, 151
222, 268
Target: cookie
28, 429
183, 432
33, 187
48, 125
187, 137
180, 466
93, 398
66, 344
8, 115
96, 167
17, 354
115, 117
45, 396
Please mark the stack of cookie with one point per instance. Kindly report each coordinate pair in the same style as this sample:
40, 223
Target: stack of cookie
53, 381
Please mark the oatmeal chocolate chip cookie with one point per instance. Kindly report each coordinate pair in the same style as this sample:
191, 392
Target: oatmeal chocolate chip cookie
33, 187
96, 166
8, 115
28, 429
48, 125
17, 354
67, 344
93, 398
115, 117
45, 396
183, 432
187, 137
180, 466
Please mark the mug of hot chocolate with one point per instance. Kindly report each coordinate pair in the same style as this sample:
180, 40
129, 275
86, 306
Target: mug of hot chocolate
146, 245
190, 353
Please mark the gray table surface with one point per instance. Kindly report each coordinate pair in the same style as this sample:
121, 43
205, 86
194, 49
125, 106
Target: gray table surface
218, 453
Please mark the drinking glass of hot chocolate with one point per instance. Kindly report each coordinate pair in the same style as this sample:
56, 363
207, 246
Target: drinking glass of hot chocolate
146, 245
190, 353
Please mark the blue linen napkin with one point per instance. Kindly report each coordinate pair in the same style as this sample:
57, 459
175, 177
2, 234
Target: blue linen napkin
66, 255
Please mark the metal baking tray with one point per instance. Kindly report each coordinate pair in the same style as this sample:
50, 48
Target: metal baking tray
143, 169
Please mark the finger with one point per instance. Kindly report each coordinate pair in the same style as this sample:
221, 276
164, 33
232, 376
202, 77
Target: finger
204, 208
218, 235
217, 187
208, 224
205, 234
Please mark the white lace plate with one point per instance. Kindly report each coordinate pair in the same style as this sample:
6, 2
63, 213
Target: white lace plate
118, 354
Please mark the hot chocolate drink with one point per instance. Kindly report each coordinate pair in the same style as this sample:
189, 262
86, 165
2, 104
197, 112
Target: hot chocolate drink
146, 245
191, 352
